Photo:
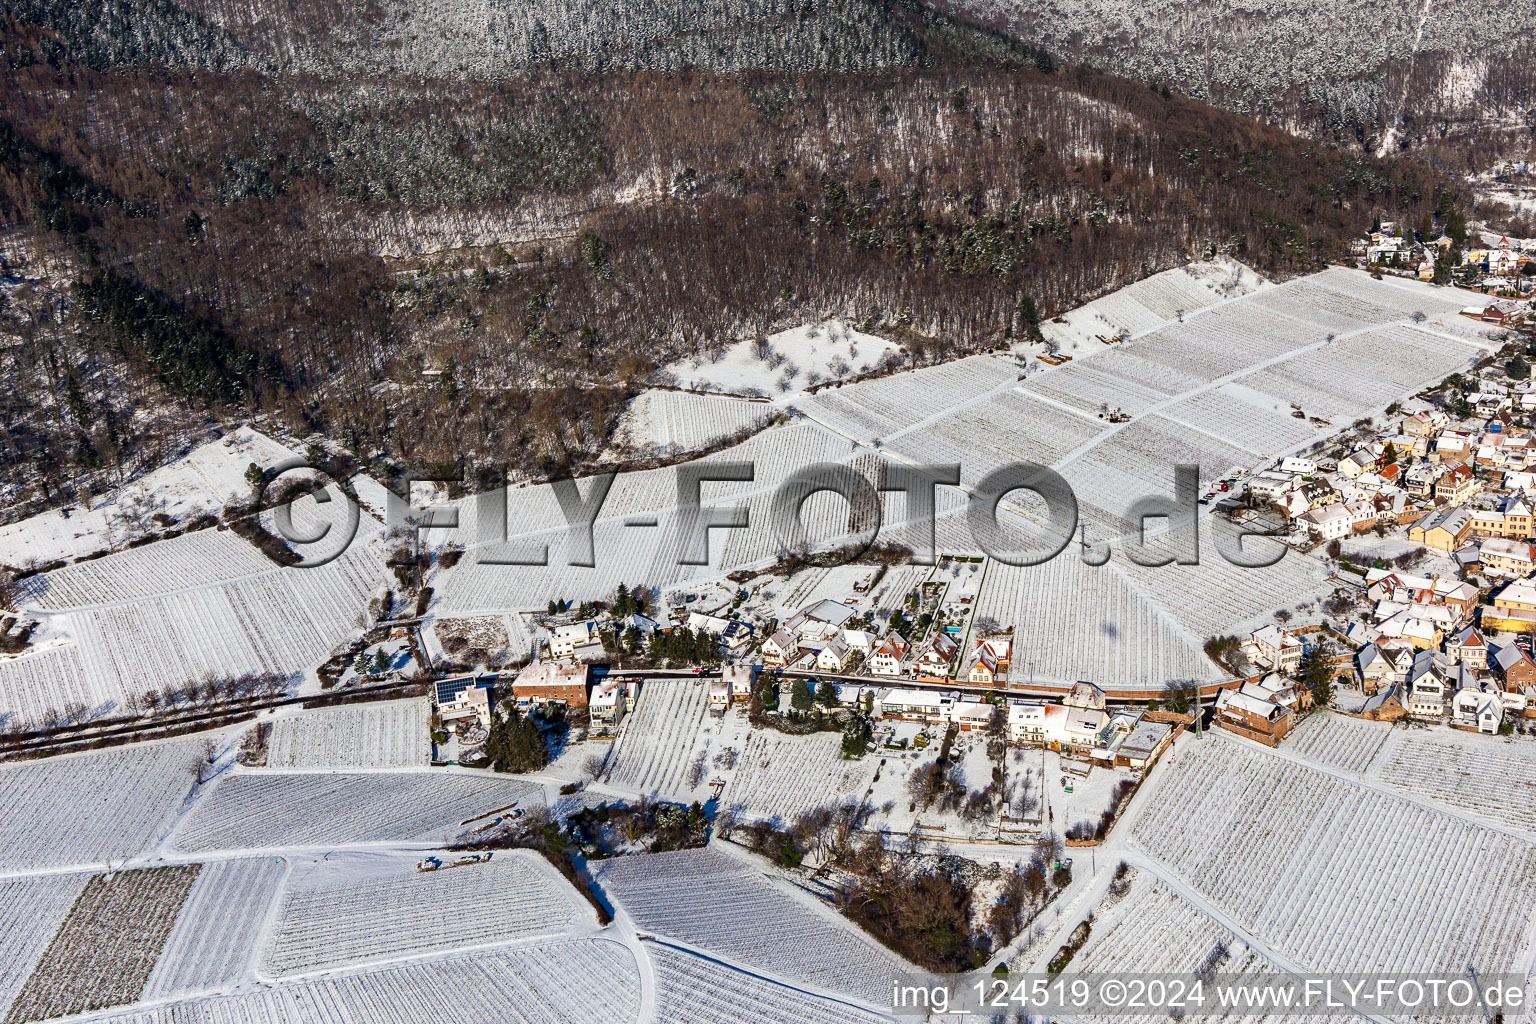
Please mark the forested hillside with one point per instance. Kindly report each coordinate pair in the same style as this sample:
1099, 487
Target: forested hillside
209, 214
1450, 76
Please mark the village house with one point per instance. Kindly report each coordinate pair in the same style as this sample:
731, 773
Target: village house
606, 705
1478, 709
1271, 486
1468, 648
1386, 705
834, 655
891, 657
462, 697
565, 641
935, 657
719, 695
912, 705
1513, 609
1509, 559
1420, 479
781, 648
1382, 664
989, 661
551, 683
1444, 532
1276, 648
1456, 485
1431, 681
1264, 720
1512, 669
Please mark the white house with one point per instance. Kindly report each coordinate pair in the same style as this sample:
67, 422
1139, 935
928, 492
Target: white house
1476, 708
1281, 649
890, 658
834, 655
565, 641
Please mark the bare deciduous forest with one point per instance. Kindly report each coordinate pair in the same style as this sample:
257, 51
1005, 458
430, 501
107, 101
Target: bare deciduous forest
197, 231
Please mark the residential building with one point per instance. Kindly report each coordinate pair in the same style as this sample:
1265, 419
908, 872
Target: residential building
1468, 648
462, 697
1246, 714
891, 657
551, 683
1281, 650
935, 657
1477, 708
607, 704
1456, 485
565, 641
989, 661
1505, 558
1445, 531
834, 655
781, 648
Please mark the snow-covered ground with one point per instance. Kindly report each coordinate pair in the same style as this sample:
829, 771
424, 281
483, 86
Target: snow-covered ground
789, 363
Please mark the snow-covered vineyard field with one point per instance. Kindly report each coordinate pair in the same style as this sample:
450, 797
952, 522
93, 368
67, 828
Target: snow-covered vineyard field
684, 420
1314, 866
181, 563
283, 621
378, 734
30, 912
1153, 302
108, 944
655, 748
1336, 741
214, 939
575, 981
263, 810
1152, 930
714, 902
1492, 777
350, 910
778, 776
205, 480
693, 990
87, 809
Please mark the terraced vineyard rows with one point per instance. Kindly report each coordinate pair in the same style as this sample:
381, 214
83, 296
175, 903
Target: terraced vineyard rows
1336, 741
1315, 866
655, 746
1492, 777
711, 901
335, 914
383, 734
260, 810
214, 939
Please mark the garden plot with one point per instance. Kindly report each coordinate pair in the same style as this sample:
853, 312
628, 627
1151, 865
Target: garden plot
779, 776
1260, 423
380, 734
214, 938
1335, 741
106, 947
355, 908
655, 749
191, 560
694, 990
283, 621
675, 421
90, 808
1314, 866
576, 981
722, 905
263, 810
30, 912
1152, 930
1491, 776
203, 480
